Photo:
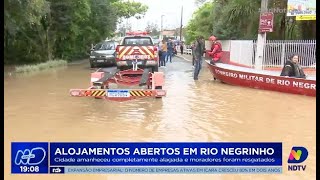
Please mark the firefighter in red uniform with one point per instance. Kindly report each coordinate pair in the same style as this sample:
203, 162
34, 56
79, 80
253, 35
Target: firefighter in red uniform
216, 50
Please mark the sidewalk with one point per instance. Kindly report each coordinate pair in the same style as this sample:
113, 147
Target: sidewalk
188, 57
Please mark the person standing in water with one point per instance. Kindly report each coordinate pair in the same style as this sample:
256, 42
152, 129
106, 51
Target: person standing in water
198, 52
164, 50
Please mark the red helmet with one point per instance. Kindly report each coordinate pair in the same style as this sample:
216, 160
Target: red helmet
212, 38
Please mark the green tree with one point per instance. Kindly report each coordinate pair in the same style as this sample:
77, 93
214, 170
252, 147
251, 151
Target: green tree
153, 29
40, 30
239, 19
201, 23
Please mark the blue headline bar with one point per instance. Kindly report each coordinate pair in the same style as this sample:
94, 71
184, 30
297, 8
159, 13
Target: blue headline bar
165, 154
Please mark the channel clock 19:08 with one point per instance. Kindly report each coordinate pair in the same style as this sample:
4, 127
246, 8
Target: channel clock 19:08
29, 169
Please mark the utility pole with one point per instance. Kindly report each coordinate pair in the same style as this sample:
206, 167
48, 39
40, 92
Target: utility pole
181, 24
162, 22
212, 13
161, 28
261, 39
126, 27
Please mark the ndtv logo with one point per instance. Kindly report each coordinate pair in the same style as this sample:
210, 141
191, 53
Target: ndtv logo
297, 155
30, 157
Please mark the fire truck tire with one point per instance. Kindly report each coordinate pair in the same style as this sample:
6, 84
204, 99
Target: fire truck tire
123, 68
158, 87
92, 65
155, 69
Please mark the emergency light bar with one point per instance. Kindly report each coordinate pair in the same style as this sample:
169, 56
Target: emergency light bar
137, 33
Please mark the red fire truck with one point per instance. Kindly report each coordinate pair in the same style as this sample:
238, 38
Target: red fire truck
137, 50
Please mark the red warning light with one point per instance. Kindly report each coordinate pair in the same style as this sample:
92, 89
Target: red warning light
136, 33
88, 93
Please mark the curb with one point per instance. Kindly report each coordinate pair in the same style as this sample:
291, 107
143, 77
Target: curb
183, 58
76, 62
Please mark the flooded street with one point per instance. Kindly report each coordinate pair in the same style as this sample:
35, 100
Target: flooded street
37, 107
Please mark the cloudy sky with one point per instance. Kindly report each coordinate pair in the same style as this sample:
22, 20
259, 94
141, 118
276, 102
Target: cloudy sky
171, 9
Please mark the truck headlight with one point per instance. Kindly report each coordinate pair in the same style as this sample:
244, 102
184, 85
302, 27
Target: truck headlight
121, 63
92, 56
108, 56
151, 62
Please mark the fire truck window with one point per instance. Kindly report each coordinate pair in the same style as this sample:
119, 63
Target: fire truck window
138, 41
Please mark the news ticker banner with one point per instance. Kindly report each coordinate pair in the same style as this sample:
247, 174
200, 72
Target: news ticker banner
145, 158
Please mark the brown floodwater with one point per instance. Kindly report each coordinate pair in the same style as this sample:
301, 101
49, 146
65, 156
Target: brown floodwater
37, 107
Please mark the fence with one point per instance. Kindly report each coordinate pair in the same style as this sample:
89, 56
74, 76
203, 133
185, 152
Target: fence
188, 51
276, 52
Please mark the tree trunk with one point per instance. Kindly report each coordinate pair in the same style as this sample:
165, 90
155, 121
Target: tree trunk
283, 27
6, 42
49, 54
290, 33
313, 29
308, 29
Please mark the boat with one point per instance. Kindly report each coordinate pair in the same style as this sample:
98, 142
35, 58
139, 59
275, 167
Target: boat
246, 76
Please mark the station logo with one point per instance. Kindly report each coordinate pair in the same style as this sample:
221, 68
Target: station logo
35, 156
29, 157
297, 155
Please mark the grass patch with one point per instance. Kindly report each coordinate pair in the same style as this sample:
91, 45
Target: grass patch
41, 66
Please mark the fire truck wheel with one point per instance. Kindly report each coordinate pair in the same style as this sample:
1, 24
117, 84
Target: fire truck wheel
155, 69
121, 68
158, 87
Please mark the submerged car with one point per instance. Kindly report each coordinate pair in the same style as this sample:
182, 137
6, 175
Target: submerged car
103, 54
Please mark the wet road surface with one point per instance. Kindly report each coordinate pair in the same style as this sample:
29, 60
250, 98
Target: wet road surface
39, 108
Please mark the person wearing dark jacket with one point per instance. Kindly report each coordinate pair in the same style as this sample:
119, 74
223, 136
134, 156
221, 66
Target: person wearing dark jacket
193, 56
170, 51
292, 68
198, 52
181, 48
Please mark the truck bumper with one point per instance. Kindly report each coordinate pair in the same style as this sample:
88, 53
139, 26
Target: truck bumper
140, 63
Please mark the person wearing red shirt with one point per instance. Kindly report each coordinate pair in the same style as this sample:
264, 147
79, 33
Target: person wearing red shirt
216, 50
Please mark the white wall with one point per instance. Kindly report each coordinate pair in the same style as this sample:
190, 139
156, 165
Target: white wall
241, 51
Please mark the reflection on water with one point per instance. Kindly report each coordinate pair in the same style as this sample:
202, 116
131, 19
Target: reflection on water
38, 108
